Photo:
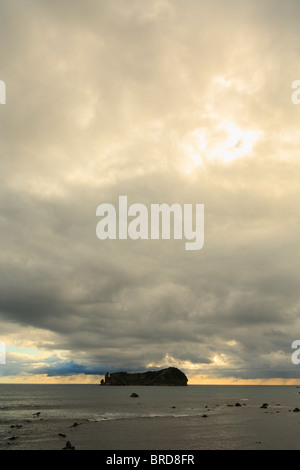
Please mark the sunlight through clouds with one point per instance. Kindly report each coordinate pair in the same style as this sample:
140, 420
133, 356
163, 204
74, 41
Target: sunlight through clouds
204, 145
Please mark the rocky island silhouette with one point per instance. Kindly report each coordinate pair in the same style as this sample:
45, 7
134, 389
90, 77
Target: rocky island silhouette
164, 377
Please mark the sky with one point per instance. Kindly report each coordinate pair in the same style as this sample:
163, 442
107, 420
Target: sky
186, 102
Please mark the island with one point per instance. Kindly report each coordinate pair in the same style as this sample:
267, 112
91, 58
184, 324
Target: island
169, 376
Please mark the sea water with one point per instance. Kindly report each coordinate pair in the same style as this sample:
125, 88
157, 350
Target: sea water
232, 415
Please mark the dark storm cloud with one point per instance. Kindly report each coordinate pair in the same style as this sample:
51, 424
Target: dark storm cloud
68, 368
116, 304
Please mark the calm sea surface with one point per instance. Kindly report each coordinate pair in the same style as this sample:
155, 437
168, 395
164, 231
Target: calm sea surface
227, 426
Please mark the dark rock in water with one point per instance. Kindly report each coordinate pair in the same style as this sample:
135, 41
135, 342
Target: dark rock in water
37, 414
61, 435
296, 410
264, 405
12, 438
69, 446
204, 416
74, 425
173, 406
238, 404
134, 395
169, 376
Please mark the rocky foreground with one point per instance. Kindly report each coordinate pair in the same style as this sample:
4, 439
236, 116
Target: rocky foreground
227, 426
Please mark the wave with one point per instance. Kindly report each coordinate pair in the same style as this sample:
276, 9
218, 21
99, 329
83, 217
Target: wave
122, 416
23, 406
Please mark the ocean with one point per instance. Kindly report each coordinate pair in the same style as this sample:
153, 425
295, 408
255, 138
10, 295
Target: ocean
195, 417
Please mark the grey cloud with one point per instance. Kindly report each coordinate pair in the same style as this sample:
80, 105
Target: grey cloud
100, 97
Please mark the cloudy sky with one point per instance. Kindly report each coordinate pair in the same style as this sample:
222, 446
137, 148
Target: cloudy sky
165, 101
